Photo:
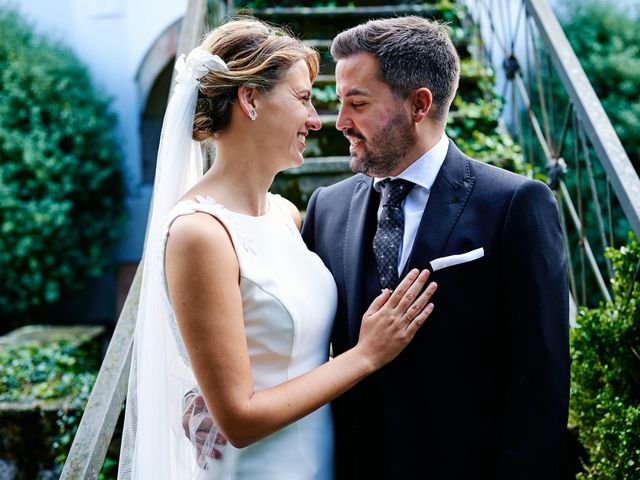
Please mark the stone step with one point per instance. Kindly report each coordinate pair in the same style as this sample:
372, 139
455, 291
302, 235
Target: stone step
337, 3
324, 44
471, 70
328, 118
327, 65
325, 79
469, 93
322, 165
368, 11
475, 82
326, 22
75, 335
471, 73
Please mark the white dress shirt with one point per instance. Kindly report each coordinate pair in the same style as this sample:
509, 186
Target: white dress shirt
422, 173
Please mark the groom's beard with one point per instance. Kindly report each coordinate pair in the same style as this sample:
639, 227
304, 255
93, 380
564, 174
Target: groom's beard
386, 149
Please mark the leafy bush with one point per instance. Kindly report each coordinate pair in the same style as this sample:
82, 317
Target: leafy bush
474, 125
61, 183
605, 391
494, 148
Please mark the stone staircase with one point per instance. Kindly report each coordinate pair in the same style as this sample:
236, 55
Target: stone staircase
474, 119
473, 125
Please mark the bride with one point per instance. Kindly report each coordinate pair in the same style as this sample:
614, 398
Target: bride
232, 300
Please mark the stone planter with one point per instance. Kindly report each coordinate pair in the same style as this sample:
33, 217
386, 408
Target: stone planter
29, 428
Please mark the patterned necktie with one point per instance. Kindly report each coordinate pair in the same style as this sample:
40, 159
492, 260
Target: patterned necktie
388, 238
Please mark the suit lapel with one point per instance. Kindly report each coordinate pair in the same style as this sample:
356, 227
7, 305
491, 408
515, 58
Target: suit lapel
447, 199
353, 254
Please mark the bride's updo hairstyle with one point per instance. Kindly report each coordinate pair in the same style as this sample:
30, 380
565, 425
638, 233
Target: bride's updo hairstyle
258, 55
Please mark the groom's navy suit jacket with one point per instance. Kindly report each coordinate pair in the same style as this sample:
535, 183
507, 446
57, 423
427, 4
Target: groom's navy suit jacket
482, 391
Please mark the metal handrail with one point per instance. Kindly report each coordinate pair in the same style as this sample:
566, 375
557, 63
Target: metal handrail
515, 42
586, 103
104, 406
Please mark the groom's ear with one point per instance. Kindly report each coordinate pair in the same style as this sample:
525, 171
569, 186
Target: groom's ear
421, 101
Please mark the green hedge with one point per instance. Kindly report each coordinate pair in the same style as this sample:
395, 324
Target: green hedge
605, 391
61, 182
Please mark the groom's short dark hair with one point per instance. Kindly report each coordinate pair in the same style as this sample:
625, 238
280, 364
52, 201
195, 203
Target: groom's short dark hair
413, 52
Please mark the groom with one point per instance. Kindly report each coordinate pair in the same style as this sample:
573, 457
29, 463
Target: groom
482, 391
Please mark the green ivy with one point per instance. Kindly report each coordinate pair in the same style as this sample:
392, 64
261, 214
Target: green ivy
497, 149
605, 389
473, 126
61, 182
60, 370
325, 97
39, 371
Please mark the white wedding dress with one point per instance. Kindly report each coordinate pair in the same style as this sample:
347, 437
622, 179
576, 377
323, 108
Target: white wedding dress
289, 301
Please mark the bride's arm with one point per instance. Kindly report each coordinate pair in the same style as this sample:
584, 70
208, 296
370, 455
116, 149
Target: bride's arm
203, 279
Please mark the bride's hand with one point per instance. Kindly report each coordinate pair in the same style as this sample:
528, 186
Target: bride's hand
200, 429
393, 319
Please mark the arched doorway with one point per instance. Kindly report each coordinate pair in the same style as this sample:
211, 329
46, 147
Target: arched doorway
154, 81
151, 122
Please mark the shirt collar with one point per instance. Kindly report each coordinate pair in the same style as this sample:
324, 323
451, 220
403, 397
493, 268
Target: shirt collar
424, 170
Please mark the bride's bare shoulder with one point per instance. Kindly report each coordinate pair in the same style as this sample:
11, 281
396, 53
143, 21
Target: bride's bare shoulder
196, 235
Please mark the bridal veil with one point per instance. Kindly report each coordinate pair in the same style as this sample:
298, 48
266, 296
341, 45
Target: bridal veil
154, 444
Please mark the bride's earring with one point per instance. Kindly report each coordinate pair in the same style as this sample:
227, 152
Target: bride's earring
252, 114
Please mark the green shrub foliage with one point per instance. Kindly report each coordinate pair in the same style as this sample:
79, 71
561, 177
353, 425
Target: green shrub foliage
605, 392
61, 182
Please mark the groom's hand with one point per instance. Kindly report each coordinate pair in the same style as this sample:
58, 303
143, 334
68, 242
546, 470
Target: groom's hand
198, 427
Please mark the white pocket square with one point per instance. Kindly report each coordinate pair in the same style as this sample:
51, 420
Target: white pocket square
444, 262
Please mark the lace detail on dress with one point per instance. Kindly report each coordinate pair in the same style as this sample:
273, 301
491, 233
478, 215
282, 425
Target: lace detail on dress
177, 211
200, 204
240, 235
277, 200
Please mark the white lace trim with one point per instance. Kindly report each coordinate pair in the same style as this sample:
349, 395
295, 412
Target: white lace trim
239, 237
285, 215
239, 234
